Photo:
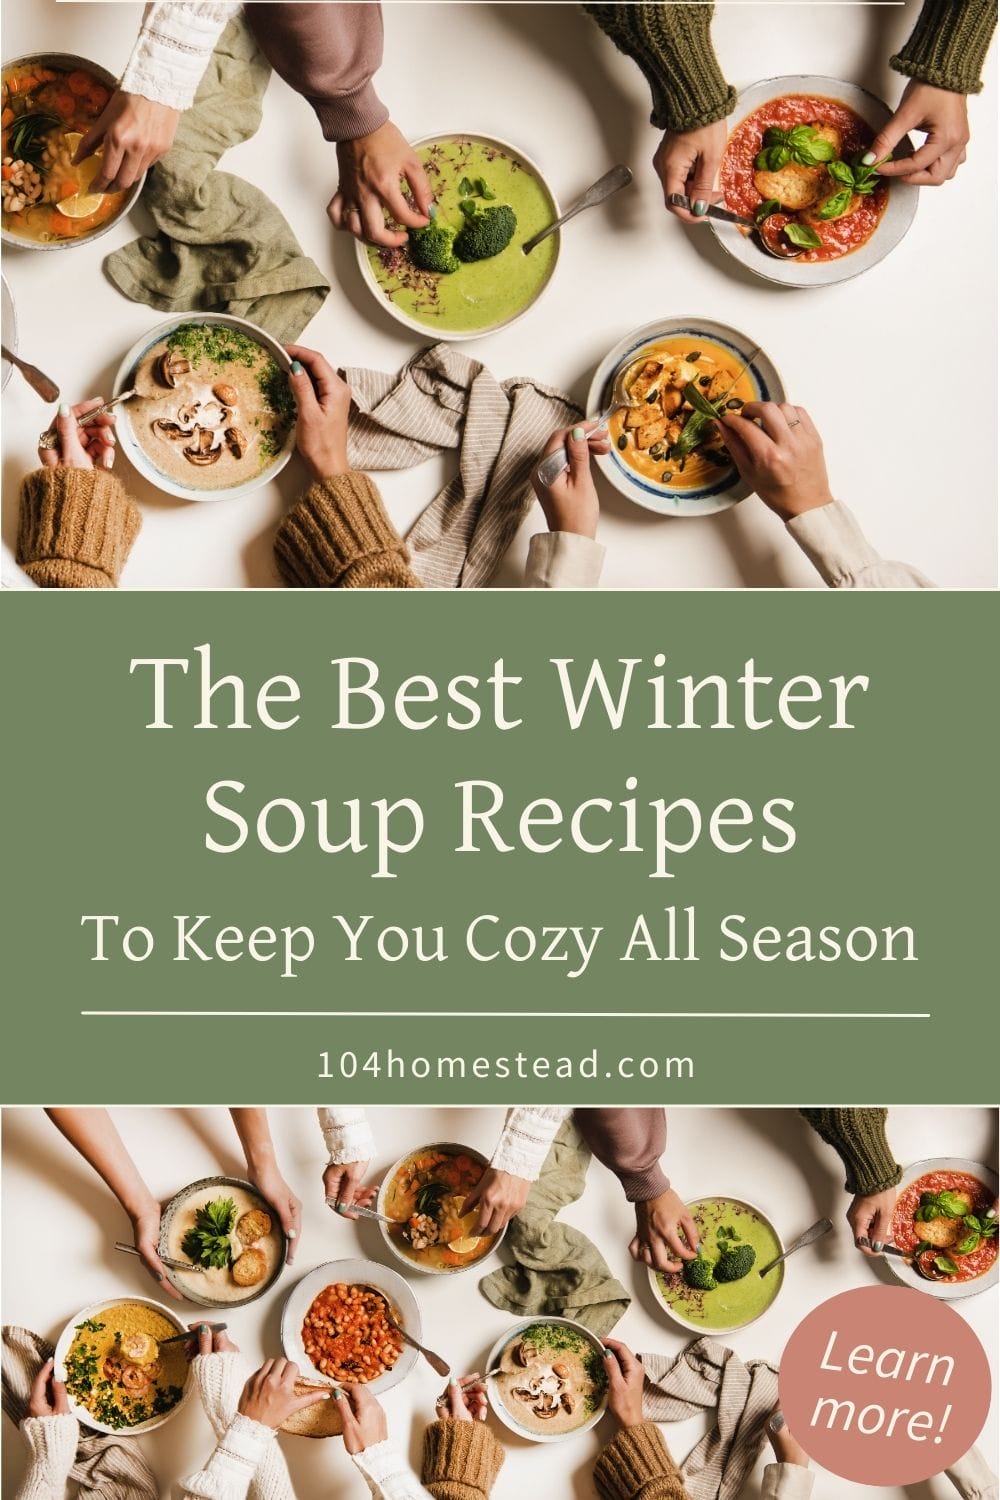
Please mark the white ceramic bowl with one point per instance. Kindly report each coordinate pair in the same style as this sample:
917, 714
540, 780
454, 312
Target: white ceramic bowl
66, 1338
953, 1291
67, 61
450, 335
413, 1265
896, 218
9, 329
137, 455
778, 1273
496, 1401
728, 489
402, 1305
185, 1287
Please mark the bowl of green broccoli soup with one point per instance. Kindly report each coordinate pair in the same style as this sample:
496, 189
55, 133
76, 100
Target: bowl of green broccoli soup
465, 273
721, 1289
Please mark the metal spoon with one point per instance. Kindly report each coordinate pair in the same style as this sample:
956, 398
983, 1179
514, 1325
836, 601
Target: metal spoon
551, 467
175, 1265
192, 1333
434, 1360
713, 211
46, 388
363, 1213
611, 182
49, 438
814, 1232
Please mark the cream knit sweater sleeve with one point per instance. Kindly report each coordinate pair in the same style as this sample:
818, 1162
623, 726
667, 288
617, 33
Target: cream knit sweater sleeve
52, 1444
221, 1378
787, 1482
238, 1456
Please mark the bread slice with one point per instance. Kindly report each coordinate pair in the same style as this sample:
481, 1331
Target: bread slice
942, 1233
793, 186
319, 1421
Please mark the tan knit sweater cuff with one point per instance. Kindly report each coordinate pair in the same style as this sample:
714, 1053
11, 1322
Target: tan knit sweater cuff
76, 528
339, 536
637, 1466
461, 1460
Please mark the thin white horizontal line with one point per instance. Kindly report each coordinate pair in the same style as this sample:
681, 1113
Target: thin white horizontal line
560, 1015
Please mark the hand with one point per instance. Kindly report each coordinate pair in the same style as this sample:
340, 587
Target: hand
570, 503
462, 1401
324, 403
499, 1196
870, 1218
370, 172
134, 132
269, 1395
275, 1189
364, 1420
945, 118
659, 1225
212, 1343
146, 1239
687, 163
48, 1396
786, 1449
342, 1184
625, 1381
782, 460
90, 447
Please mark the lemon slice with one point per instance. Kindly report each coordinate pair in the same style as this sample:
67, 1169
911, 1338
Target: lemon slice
465, 1245
81, 205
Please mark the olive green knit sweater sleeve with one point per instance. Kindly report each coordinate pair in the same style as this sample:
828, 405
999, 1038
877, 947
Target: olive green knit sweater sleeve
75, 528
672, 44
636, 1465
461, 1460
859, 1139
339, 537
949, 43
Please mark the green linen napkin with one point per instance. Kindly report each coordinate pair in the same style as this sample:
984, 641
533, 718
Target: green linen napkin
557, 1269
222, 245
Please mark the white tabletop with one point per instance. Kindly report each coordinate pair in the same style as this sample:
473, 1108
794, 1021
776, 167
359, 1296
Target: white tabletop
894, 367
60, 1224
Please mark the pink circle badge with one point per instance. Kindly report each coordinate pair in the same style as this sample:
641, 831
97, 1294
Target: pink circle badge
884, 1385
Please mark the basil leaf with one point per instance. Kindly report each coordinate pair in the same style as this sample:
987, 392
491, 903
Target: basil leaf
692, 433
766, 209
773, 158
842, 173
921, 1247
836, 205
468, 207
946, 1264
987, 1228
952, 1205
775, 136
969, 1243
482, 189
465, 188
700, 402
802, 234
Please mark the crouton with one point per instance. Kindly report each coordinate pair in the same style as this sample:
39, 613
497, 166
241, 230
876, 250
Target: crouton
721, 384
637, 416
670, 401
652, 433
828, 132
647, 378
249, 1268
253, 1226
794, 187
682, 373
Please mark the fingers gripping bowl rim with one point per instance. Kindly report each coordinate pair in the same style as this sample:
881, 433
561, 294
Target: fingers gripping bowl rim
721, 493
897, 217
429, 327
68, 62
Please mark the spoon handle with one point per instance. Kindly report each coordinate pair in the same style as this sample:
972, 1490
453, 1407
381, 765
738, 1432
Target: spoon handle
814, 1232
40, 383
364, 1213
550, 468
49, 438
612, 181
434, 1360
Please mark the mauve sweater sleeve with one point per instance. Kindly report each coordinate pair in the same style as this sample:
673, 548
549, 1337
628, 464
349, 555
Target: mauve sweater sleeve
328, 54
630, 1142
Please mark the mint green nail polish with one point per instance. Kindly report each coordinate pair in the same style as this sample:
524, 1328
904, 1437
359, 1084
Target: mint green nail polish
297, 367
868, 160
63, 409
699, 208
578, 434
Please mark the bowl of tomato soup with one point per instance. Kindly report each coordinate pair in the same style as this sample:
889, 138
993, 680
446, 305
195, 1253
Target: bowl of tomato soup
943, 1216
793, 161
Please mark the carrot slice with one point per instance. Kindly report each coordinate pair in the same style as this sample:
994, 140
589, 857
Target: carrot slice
7, 118
79, 83
99, 95
65, 105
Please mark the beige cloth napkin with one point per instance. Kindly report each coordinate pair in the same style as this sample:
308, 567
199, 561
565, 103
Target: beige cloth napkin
106, 1467
221, 245
443, 399
708, 1376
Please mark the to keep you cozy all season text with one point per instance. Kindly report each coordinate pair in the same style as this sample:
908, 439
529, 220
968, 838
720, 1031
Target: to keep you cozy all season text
628, 695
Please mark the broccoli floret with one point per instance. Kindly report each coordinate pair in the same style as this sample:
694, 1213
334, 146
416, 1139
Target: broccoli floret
431, 248
699, 1274
486, 232
735, 1263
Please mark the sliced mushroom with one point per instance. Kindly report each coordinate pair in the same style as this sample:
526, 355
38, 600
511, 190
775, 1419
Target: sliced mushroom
545, 1413
169, 429
227, 394
519, 1354
237, 441
561, 1370
203, 452
520, 1394
568, 1403
188, 415
170, 367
